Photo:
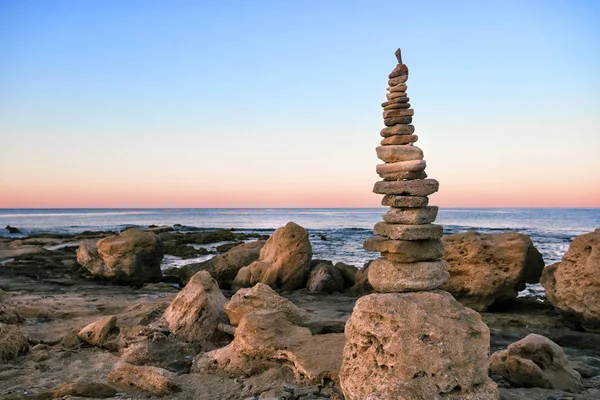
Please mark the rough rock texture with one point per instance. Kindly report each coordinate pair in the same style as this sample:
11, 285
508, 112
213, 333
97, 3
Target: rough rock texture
325, 277
405, 250
12, 343
536, 361
156, 381
397, 338
267, 339
197, 310
573, 284
134, 257
348, 273
361, 282
94, 390
97, 332
261, 297
485, 269
224, 267
389, 276
284, 261
8, 315
408, 232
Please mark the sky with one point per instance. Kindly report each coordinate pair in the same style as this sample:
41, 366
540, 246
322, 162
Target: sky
141, 103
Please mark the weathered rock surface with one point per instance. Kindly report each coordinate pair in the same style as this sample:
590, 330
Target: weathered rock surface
396, 338
12, 343
134, 257
261, 297
408, 232
411, 216
284, 261
325, 277
398, 130
97, 332
405, 250
8, 315
536, 361
224, 267
266, 339
156, 381
404, 201
388, 276
573, 284
93, 390
197, 310
407, 112
397, 120
423, 187
487, 269
398, 88
399, 139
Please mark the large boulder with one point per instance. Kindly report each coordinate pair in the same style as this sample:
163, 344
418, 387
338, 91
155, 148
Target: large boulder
224, 267
12, 343
261, 297
132, 257
267, 339
536, 361
325, 277
487, 269
396, 342
284, 261
197, 310
573, 284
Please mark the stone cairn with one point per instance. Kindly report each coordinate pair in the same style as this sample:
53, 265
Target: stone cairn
411, 341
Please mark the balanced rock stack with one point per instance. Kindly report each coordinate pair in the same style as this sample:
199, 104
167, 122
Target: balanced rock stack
411, 341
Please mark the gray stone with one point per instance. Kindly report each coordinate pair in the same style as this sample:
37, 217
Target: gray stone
408, 232
393, 154
388, 276
398, 130
411, 216
423, 187
397, 120
405, 250
391, 200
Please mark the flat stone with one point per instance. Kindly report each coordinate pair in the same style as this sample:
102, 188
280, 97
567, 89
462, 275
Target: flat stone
388, 276
408, 232
398, 80
391, 200
401, 166
392, 154
399, 113
395, 106
398, 88
401, 69
411, 216
405, 250
423, 187
408, 175
398, 130
396, 95
397, 120
399, 139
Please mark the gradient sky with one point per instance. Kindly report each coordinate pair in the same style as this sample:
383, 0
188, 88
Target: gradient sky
277, 103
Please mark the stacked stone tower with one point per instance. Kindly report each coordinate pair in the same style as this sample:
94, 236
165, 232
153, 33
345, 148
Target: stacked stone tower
411, 341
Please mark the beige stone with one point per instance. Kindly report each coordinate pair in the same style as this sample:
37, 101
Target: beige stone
197, 310
406, 250
398, 80
97, 332
411, 216
399, 139
156, 381
261, 297
401, 166
398, 130
426, 340
487, 269
395, 97
393, 154
396, 106
284, 261
409, 112
536, 361
408, 232
389, 276
408, 175
423, 187
398, 88
391, 200
397, 120
573, 284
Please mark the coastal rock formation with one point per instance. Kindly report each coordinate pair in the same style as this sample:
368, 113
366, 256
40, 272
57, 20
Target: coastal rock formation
261, 297
487, 269
224, 267
12, 343
132, 257
152, 380
411, 341
97, 332
536, 361
267, 339
573, 284
325, 277
284, 261
197, 310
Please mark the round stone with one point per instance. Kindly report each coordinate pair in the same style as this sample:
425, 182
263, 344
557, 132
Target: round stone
411, 216
399, 139
398, 130
408, 232
388, 276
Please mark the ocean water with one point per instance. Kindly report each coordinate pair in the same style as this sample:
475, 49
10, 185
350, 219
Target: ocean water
344, 229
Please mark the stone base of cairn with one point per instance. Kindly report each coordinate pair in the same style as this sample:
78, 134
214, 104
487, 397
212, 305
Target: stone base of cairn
411, 341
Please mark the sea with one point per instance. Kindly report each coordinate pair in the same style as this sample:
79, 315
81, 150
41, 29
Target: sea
336, 234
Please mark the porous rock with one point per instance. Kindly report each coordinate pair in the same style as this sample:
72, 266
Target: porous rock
408, 232
411, 216
153, 380
405, 250
389, 276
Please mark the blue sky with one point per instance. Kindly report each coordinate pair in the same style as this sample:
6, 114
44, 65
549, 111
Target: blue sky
277, 103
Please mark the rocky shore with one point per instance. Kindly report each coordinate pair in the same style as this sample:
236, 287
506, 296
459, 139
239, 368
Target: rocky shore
262, 319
